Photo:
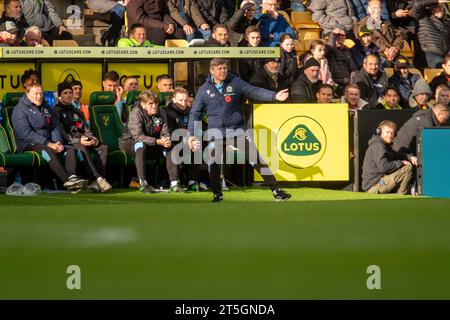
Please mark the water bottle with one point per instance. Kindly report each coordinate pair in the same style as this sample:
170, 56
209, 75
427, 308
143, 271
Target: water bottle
18, 178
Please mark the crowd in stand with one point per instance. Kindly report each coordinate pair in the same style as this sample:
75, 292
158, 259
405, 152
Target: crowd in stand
360, 41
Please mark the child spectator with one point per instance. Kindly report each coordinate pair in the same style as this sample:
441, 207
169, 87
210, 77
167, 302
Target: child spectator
288, 60
317, 51
248, 67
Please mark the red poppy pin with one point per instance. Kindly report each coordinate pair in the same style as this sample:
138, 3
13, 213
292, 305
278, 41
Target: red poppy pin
227, 99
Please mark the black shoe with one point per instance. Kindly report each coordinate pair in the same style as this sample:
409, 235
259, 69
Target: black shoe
281, 195
75, 183
218, 197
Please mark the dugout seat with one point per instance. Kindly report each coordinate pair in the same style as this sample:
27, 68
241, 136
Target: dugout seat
11, 159
106, 125
132, 97
9, 101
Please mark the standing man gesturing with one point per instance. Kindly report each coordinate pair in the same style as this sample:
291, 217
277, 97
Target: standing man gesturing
222, 96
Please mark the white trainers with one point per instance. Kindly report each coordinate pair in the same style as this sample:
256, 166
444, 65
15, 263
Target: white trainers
103, 185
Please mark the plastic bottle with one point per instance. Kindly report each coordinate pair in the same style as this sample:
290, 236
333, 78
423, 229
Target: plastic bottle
18, 178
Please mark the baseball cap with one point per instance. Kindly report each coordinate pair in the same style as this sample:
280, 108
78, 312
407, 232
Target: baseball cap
364, 30
9, 26
401, 62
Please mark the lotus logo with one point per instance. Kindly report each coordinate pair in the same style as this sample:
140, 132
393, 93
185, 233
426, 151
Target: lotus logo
69, 75
301, 142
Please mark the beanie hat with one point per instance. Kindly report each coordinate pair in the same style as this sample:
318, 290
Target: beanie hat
421, 87
63, 86
311, 62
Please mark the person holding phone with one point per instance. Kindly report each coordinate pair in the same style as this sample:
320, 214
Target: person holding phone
76, 133
36, 129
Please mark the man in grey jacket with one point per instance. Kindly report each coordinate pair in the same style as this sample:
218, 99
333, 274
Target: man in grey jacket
329, 13
42, 14
385, 170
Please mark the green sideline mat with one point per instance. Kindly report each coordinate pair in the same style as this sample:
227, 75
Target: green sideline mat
318, 245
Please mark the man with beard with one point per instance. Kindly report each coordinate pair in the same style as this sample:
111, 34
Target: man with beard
371, 81
306, 86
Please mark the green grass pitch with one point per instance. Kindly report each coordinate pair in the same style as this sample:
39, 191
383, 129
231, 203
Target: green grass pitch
318, 245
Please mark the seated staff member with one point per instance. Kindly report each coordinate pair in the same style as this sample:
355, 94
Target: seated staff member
385, 170
35, 129
76, 133
146, 135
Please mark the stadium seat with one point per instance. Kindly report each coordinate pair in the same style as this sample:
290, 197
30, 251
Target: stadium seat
416, 71
11, 159
131, 99
162, 98
389, 71
407, 51
65, 43
304, 26
286, 16
429, 74
176, 43
9, 101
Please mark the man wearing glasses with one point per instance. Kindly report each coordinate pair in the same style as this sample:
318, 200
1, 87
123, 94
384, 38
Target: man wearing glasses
273, 25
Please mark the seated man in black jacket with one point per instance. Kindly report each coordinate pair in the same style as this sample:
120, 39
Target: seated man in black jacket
76, 133
268, 76
371, 81
385, 170
306, 86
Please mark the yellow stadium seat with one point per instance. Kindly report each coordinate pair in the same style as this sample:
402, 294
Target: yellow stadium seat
305, 27
431, 73
416, 71
286, 16
389, 71
308, 34
65, 43
178, 43
407, 51
301, 17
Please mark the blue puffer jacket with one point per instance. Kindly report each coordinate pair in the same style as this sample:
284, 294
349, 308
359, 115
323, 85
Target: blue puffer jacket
225, 110
34, 125
272, 30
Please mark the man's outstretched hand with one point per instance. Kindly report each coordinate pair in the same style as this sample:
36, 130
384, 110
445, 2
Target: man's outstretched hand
282, 95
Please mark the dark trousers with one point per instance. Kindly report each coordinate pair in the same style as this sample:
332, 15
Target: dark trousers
55, 160
219, 152
159, 37
97, 167
141, 152
192, 169
53, 34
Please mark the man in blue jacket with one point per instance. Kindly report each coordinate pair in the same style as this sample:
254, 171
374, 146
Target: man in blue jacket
36, 129
222, 96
